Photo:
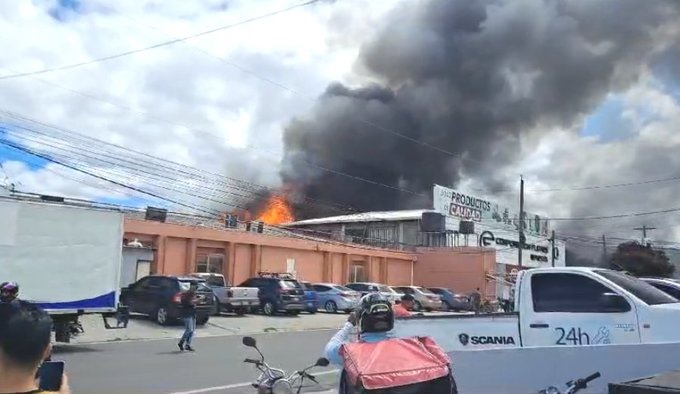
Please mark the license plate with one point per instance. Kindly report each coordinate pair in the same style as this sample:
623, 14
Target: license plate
296, 298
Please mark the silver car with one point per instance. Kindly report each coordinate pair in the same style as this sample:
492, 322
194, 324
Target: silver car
333, 298
370, 287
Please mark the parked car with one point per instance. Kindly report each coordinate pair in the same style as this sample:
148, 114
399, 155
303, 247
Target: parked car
230, 299
452, 301
334, 298
425, 299
278, 293
397, 294
667, 285
159, 297
311, 298
367, 287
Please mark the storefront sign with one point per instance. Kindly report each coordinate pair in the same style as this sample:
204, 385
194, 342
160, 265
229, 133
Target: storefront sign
457, 205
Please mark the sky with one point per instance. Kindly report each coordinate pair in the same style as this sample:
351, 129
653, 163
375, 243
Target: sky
224, 102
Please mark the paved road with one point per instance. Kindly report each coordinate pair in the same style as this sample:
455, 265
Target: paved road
158, 366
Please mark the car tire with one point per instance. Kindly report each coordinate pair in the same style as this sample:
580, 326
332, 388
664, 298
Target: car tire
202, 320
331, 307
268, 308
293, 313
162, 316
417, 306
312, 311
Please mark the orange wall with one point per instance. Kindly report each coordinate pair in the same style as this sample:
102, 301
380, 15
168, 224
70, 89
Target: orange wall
461, 269
246, 253
175, 256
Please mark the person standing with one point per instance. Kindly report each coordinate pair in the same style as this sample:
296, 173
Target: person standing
476, 299
402, 309
188, 313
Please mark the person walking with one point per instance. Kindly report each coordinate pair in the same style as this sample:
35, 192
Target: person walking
188, 313
476, 299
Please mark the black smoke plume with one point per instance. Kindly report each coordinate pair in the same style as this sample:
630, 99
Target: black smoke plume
466, 79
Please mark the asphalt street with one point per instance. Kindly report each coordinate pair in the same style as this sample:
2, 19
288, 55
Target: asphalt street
157, 366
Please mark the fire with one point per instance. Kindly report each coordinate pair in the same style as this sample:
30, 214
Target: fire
277, 211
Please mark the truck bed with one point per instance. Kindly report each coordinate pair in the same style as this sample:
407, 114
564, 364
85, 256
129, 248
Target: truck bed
464, 331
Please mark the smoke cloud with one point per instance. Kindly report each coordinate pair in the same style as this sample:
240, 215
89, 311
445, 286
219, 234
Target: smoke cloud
470, 78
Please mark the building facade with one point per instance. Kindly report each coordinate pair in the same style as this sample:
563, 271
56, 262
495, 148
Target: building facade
182, 247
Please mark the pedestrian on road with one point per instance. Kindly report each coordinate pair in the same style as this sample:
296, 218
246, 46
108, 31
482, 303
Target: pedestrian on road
476, 298
188, 313
25, 334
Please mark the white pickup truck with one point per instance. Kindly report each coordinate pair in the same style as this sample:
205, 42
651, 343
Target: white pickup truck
239, 300
570, 306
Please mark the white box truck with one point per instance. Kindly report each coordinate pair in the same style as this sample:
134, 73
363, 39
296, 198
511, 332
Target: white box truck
65, 257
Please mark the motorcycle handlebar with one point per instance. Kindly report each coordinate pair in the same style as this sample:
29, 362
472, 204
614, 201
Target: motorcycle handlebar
251, 361
308, 376
592, 377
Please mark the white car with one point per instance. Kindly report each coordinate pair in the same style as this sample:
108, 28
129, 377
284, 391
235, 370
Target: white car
667, 285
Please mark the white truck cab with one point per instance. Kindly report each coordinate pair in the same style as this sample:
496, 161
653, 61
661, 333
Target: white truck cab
568, 306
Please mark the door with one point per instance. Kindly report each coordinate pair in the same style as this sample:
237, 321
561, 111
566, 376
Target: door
148, 295
323, 294
571, 309
143, 269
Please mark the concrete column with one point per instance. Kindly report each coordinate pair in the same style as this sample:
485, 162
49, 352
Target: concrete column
231, 262
327, 271
345, 268
190, 263
384, 268
160, 254
255, 259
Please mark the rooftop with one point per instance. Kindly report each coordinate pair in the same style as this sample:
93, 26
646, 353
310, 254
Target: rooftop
381, 216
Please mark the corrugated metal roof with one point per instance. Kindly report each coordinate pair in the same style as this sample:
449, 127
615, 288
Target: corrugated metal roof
412, 214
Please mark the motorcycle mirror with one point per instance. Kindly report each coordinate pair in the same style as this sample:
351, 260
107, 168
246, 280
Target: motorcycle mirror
249, 341
322, 362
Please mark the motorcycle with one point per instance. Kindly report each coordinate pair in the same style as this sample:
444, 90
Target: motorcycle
573, 386
275, 381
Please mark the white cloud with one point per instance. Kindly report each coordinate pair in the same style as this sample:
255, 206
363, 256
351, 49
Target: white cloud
227, 111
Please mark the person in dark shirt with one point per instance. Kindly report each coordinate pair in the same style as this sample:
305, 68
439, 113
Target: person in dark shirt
188, 313
25, 333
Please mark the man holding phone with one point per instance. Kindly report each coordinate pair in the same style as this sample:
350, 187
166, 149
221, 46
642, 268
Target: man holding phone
25, 334
188, 312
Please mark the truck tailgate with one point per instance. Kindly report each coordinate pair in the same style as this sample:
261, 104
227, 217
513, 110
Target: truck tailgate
463, 332
242, 294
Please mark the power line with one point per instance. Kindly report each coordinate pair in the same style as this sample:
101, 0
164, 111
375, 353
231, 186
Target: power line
157, 45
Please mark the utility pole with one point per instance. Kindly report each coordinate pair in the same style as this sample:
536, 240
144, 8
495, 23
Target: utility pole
521, 222
604, 250
644, 229
552, 249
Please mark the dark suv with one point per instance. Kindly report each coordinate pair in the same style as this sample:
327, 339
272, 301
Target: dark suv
278, 294
159, 298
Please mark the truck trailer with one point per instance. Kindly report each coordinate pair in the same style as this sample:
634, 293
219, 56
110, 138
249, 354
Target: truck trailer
66, 258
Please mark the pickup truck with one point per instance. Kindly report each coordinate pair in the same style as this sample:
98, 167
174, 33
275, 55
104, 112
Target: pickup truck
231, 299
568, 306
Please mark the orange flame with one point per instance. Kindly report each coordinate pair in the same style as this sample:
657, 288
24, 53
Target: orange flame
277, 211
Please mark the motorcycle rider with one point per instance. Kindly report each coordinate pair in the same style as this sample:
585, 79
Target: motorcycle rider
9, 291
374, 319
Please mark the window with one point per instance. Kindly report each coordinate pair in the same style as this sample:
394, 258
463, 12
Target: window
649, 294
425, 291
321, 288
572, 293
289, 284
670, 290
384, 289
212, 263
342, 288
357, 286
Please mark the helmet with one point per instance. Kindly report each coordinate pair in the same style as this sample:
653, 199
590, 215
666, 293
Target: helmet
374, 314
8, 291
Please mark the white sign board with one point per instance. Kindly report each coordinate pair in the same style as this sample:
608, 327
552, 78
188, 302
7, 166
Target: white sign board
498, 228
455, 204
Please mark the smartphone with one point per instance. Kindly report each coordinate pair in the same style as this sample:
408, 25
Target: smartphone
51, 373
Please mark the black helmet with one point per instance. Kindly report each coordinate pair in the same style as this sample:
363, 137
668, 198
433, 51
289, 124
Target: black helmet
374, 314
9, 291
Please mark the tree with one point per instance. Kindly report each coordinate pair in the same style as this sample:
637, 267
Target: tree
641, 260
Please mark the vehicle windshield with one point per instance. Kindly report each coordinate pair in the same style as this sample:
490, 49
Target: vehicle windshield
306, 286
649, 294
425, 291
215, 281
385, 289
343, 288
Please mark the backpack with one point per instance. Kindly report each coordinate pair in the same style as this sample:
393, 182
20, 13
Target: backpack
397, 366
